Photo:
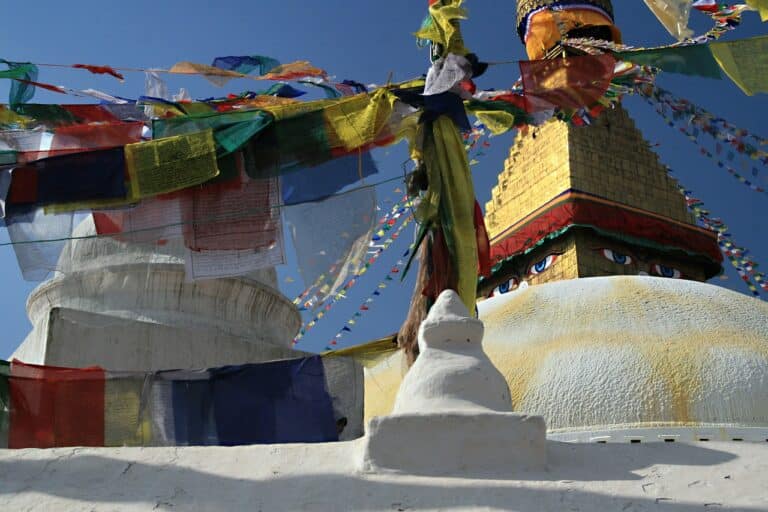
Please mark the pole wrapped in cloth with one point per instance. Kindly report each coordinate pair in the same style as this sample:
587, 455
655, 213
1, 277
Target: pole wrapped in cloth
5, 403
449, 203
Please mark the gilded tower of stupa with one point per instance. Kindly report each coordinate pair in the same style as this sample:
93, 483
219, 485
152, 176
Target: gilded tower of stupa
575, 202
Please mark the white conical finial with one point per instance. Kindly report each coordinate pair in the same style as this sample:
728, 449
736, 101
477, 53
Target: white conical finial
452, 371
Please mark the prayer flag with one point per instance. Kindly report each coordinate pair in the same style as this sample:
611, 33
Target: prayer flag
169, 164
673, 14
49, 234
569, 83
324, 180
246, 64
53, 407
761, 6
745, 61
293, 70
694, 60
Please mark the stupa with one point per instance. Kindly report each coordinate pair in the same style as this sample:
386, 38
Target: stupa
598, 316
601, 353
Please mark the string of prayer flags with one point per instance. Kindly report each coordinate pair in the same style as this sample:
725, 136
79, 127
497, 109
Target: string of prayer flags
376, 253
284, 401
304, 301
692, 135
569, 83
332, 233
745, 61
692, 60
365, 305
746, 268
740, 139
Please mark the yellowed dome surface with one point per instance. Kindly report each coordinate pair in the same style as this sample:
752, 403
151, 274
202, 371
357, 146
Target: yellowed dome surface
604, 355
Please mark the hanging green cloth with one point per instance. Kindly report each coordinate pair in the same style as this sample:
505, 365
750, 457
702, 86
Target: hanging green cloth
746, 63
694, 60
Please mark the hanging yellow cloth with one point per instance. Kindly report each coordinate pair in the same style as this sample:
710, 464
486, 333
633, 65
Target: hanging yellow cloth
444, 28
761, 6
450, 201
545, 28
745, 61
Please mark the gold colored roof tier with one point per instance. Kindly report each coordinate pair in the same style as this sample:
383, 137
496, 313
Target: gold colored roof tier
526, 6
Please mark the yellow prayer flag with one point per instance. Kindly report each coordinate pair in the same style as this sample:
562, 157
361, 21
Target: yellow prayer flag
357, 121
125, 424
761, 6
216, 76
745, 61
444, 28
173, 163
293, 70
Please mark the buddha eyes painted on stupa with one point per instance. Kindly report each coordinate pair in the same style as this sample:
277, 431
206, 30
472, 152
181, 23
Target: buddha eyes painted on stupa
512, 283
617, 257
542, 265
642, 264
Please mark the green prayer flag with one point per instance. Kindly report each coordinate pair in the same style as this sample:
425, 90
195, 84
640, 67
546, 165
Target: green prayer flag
745, 61
5, 403
231, 130
20, 92
7, 157
694, 60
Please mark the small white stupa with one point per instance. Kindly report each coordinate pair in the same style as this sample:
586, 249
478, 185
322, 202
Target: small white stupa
128, 307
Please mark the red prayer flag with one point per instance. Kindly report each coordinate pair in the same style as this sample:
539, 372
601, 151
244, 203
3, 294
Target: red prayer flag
100, 70
53, 407
569, 83
232, 216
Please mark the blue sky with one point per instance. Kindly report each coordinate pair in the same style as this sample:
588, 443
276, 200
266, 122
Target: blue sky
363, 41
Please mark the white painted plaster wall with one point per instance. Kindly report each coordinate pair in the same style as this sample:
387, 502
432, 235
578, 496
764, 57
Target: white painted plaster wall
579, 477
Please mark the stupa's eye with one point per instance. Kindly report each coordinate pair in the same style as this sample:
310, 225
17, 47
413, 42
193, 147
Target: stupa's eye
542, 265
617, 257
665, 271
505, 287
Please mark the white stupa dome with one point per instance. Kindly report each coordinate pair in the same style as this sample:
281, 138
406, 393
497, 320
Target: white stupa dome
634, 358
